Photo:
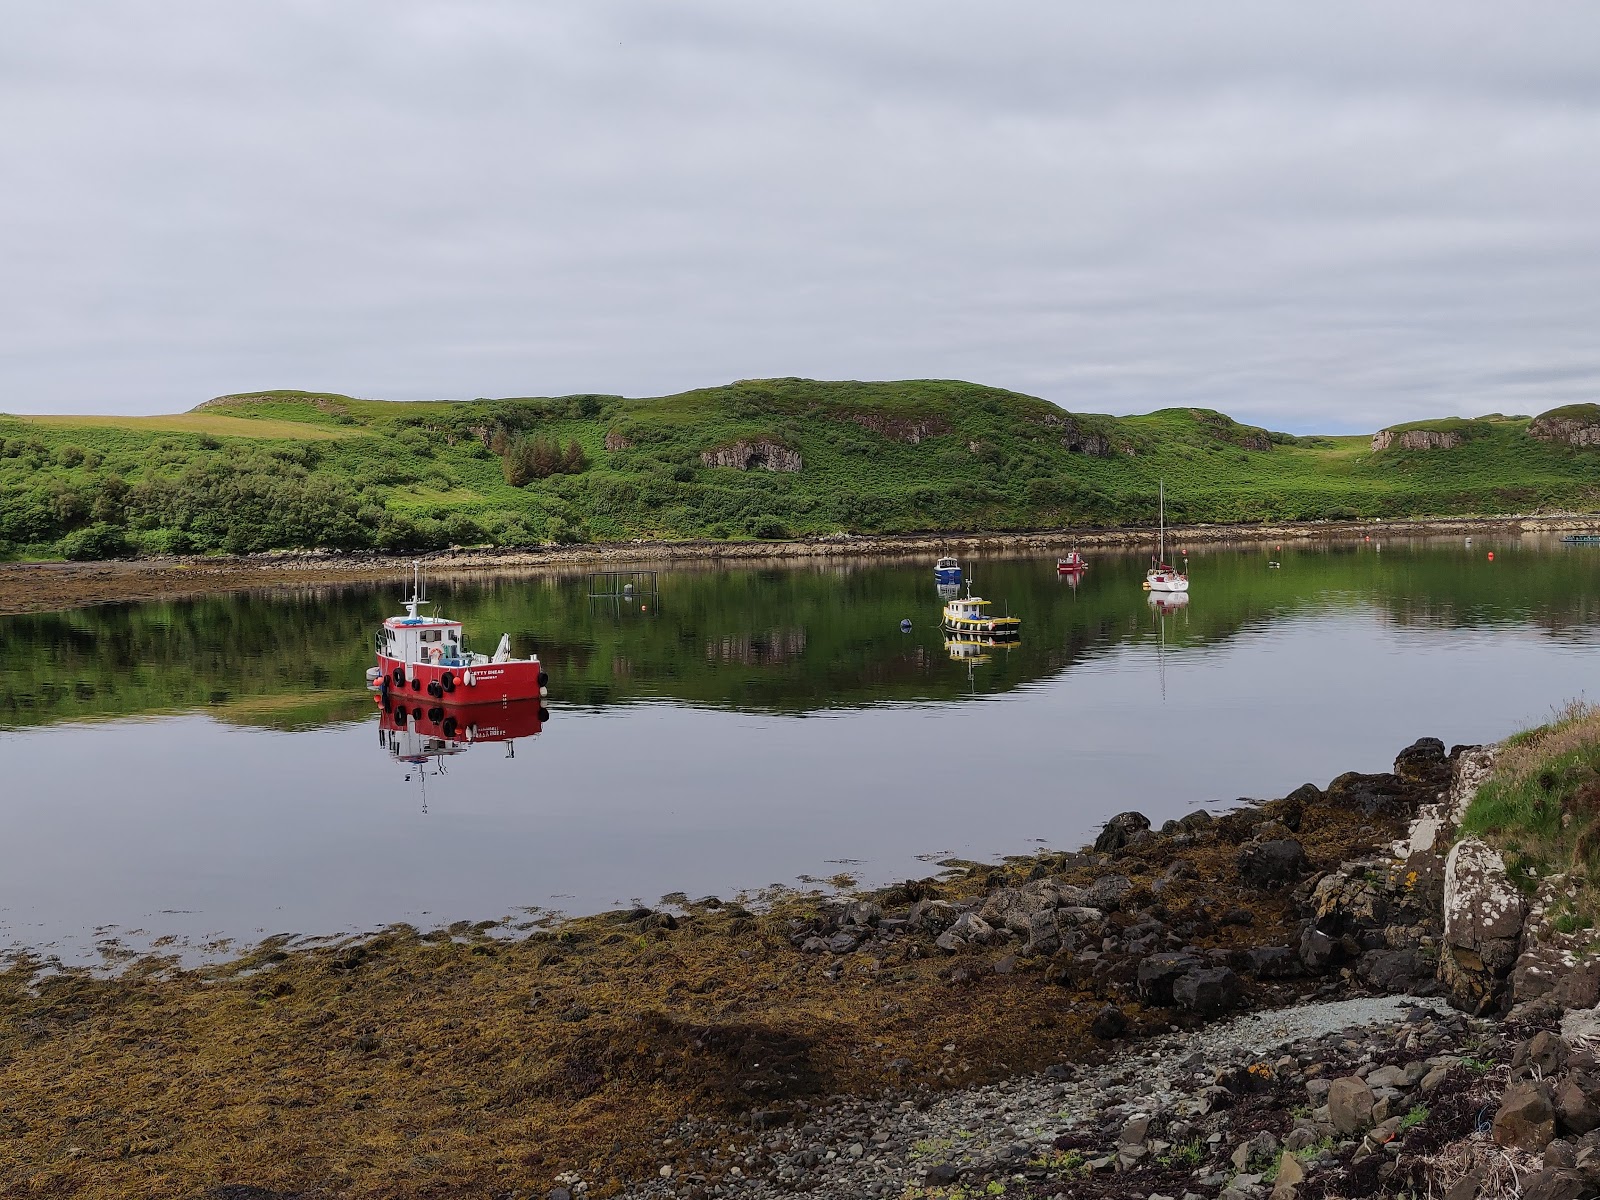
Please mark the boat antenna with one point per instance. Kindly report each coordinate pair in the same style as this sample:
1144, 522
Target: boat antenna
1161, 537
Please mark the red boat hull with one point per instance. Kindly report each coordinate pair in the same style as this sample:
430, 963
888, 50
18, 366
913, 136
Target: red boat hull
491, 683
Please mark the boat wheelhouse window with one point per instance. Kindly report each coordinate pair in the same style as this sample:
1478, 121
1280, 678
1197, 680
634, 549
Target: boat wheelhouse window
430, 635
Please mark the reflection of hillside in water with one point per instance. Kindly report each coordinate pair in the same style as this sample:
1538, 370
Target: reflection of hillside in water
810, 638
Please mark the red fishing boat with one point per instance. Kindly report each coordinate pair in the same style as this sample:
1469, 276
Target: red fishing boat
422, 656
1072, 562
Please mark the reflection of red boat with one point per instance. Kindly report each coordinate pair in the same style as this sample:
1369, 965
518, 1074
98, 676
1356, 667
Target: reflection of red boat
423, 659
1072, 562
417, 730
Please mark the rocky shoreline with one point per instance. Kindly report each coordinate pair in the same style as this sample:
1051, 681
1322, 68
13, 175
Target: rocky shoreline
41, 587
1379, 1088
1326, 994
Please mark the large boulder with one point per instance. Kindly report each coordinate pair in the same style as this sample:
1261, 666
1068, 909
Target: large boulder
1108, 892
1274, 863
1526, 1119
1397, 971
1158, 972
1350, 1103
1424, 763
1121, 830
1370, 795
1577, 1104
1110, 1022
1483, 917
1208, 991
1351, 900
1558, 1183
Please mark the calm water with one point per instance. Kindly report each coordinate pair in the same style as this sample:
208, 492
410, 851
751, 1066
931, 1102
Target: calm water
214, 770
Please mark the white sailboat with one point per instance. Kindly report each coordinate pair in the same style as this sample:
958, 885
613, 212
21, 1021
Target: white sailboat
1161, 577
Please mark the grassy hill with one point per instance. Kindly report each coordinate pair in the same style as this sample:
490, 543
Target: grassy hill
288, 469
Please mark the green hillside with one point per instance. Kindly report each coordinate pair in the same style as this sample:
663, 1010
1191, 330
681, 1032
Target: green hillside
327, 470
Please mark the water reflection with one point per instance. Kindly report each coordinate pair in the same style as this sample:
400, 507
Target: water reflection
424, 738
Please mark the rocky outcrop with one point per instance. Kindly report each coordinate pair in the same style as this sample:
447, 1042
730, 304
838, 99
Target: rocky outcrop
909, 430
1079, 440
615, 440
1572, 431
761, 453
1483, 916
1416, 439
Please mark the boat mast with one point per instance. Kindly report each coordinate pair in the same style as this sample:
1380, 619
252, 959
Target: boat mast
1161, 538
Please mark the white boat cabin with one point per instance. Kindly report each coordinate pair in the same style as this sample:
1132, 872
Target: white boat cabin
421, 640
966, 610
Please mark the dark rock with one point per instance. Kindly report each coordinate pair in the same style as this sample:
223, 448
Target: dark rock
1545, 1051
1120, 830
1424, 763
1561, 1184
559, 1193
1272, 962
1368, 794
1108, 892
1237, 916
1579, 985
938, 1176
1466, 1188
1110, 1022
1578, 1105
1316, 949
1196, 821
1350, 1103
862, 912
1395, 971
814, 945
1526, 1119
1272, 863
1158, 972
1208, 992
1044, 935
844, 941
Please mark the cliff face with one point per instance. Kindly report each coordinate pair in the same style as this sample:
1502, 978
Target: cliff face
750, 455
909, 430
1079, 440
1415, 439
1574, 431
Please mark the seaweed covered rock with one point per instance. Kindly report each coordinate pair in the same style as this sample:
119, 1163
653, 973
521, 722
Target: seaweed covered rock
1122, 830
1272, 863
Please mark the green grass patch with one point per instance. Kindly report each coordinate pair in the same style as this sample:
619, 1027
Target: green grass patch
217, 424
1541, 807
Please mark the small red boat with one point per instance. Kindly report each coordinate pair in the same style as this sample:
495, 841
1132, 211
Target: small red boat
1072, 562
427, 656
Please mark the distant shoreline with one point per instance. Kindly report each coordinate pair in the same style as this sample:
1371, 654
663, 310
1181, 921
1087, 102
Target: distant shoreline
53, 586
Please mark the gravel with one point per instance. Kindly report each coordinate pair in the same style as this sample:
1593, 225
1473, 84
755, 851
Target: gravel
853, 1148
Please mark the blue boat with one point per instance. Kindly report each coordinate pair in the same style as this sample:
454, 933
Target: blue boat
947, 570
1581, 539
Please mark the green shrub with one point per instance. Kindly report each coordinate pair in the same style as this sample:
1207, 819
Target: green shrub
100, 540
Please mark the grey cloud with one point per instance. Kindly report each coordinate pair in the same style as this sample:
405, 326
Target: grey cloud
1311, 218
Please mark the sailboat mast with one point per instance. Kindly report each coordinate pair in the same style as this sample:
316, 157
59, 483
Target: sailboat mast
1161, 538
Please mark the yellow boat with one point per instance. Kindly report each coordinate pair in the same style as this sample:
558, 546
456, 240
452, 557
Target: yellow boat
969, 615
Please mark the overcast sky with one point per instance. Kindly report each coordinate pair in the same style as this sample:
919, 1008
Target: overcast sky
1310, 216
